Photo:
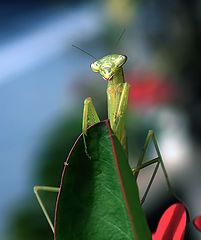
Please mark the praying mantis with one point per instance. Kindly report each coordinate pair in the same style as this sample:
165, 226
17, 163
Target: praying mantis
110, 67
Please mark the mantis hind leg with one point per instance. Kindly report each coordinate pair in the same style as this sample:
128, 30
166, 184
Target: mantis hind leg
158, 161
46, 189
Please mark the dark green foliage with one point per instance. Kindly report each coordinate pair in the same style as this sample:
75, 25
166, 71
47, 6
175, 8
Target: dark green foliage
99, 196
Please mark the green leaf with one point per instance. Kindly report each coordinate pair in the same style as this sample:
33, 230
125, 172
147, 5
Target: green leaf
99, 197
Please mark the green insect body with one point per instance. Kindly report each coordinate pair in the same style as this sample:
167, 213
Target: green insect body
110, 68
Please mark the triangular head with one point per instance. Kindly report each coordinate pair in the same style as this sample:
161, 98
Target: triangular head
109, 65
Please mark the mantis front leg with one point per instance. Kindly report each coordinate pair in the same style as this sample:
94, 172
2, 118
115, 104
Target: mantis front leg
90, 116
120, 116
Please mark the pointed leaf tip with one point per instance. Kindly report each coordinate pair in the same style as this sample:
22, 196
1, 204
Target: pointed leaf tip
172, 224
98, 197
197, 223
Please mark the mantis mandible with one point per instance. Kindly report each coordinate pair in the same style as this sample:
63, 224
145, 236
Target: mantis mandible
110, 67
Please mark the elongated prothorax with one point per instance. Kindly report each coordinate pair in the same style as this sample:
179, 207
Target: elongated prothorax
110, 68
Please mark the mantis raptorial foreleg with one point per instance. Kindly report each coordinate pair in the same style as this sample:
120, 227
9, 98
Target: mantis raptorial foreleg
120, 116
90, 116
158, 160
46, 189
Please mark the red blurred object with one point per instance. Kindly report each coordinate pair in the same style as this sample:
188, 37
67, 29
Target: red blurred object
197, 223
172, 224
148, 88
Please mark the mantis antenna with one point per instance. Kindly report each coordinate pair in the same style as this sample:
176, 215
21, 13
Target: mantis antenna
84, 51
119, 38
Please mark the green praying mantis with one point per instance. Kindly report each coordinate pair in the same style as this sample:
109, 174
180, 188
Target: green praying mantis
110, 67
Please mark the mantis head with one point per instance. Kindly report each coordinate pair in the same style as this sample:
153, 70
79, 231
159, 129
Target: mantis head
108, 65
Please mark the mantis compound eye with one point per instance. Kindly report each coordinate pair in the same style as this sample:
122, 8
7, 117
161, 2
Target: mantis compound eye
121, 60
95, 67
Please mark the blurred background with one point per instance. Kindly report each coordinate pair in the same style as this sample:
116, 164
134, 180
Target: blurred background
44, 80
